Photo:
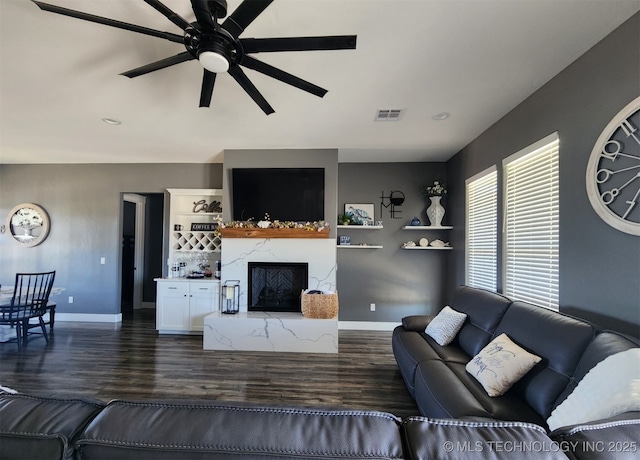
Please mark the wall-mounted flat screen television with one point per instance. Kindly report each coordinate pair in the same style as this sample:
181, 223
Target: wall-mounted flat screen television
286, 194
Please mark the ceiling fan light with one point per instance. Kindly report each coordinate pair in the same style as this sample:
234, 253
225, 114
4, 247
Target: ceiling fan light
213, 62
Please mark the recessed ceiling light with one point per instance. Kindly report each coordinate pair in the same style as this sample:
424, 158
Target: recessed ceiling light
111, 121
441, 116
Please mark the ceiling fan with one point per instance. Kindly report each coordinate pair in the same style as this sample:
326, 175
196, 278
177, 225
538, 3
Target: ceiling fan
218, 47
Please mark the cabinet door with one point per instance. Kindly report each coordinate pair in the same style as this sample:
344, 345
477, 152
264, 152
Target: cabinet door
203, 302
172, 306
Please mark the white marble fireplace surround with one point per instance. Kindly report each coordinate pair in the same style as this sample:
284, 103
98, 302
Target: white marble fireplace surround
269, 331
319, 253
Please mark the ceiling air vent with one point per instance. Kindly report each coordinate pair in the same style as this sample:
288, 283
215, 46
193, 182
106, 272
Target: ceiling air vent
388, 114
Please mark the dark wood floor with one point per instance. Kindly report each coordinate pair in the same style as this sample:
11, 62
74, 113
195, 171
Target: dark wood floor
130, 361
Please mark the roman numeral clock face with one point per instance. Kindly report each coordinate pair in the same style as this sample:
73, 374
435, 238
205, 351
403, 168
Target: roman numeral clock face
613, 171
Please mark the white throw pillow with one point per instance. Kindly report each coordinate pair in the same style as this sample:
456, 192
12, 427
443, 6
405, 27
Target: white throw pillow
501, 364
444, 327
610, 388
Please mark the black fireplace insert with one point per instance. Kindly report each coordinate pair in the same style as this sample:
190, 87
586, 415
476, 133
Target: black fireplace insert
276, 286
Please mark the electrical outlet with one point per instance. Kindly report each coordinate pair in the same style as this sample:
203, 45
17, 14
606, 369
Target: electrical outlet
70, 299
372, 306
103, 260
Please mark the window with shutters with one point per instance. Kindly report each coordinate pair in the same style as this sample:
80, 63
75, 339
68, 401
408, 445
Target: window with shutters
531, 224
482, 222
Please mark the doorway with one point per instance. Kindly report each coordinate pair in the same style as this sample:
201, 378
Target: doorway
141, 256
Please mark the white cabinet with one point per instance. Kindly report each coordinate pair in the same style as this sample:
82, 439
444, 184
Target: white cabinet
193, 218
183, 304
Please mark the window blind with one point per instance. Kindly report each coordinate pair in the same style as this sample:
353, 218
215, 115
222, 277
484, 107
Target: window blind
481, 239
531, 228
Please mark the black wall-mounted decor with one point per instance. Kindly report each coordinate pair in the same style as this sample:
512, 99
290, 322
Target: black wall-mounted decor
394, 200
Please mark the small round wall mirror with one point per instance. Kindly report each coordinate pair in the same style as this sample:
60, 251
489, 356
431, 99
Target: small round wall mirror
28, 224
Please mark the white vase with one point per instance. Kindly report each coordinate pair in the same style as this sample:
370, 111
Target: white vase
435, 212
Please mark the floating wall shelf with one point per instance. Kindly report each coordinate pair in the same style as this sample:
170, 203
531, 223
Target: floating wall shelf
426, 227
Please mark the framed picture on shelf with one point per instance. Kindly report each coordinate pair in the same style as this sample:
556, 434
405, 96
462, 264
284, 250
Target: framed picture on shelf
362, 213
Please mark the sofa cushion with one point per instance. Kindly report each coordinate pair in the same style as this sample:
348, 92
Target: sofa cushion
484, 310
43, 428
446, 390
199, 429
501, 364
445, 326
427, 438
612, 387
558, 339
410, 348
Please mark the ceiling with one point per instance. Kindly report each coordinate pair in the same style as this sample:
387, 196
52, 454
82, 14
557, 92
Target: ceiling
475, 59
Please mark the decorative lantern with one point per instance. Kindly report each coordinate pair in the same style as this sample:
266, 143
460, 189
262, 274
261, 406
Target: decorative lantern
230, 297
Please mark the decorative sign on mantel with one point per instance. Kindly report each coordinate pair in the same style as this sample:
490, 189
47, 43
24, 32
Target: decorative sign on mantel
274, 232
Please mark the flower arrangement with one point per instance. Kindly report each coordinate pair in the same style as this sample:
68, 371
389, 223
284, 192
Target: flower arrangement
437, 189
267, 223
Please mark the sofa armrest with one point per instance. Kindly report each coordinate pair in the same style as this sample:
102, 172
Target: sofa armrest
44, 428
417, 323
427, 438
613, 438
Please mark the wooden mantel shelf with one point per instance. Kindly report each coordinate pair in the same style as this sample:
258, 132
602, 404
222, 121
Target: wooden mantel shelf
273, 233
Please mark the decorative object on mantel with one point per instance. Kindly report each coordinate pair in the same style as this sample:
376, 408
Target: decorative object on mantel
230, 297
395, 198
423, 242
435, 211
415, 222
28, 224
276, 229
409, 244
319, 304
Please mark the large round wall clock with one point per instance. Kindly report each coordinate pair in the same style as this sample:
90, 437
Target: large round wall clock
613, 171
28, 224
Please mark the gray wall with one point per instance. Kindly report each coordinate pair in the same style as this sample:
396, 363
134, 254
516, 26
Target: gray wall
398, 281
84, 203
599, 266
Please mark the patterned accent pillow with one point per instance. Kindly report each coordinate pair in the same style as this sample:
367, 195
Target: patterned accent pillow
444, 327
501, 364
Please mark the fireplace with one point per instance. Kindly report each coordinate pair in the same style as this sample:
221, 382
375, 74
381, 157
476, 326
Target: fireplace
276, 286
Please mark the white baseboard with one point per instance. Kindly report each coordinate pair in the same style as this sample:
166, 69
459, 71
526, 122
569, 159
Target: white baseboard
89, 317
367, 325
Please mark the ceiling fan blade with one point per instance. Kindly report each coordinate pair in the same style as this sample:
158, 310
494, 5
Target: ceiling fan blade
268, 45
208, 80
244, 15
169, 14
283, 76
109, 22
203, 13
161, 64
237, 73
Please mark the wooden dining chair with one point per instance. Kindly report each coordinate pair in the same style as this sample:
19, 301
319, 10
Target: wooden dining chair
29, 300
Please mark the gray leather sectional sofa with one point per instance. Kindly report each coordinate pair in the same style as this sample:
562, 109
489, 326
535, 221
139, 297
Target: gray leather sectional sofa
457, 421
569, 347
